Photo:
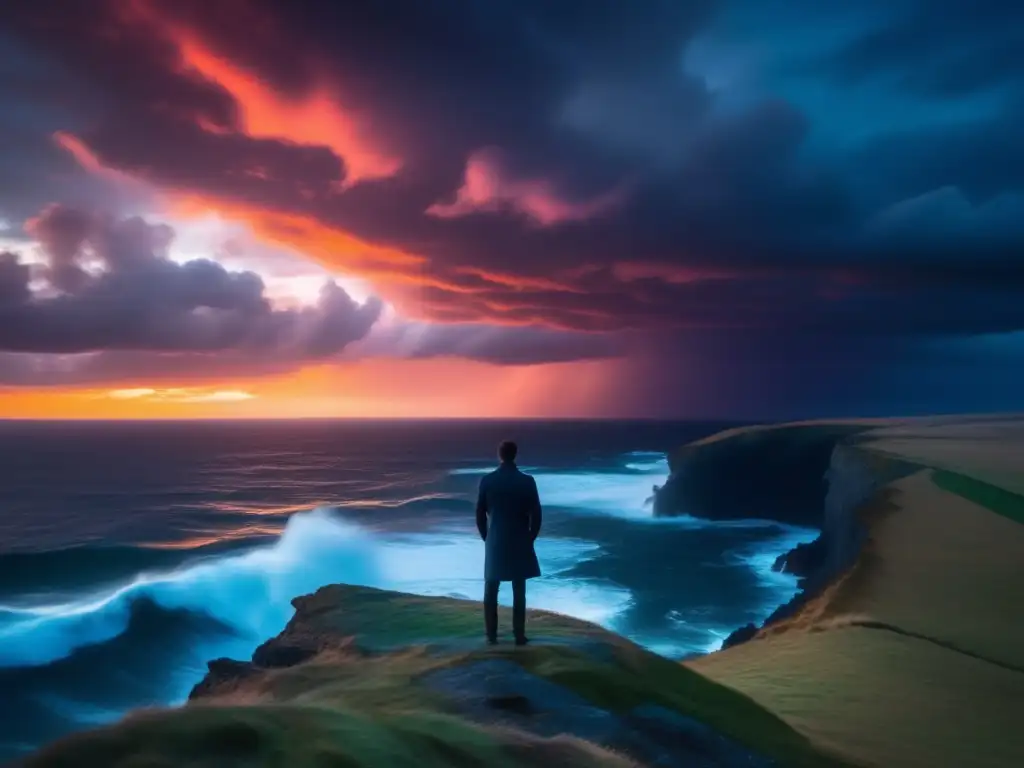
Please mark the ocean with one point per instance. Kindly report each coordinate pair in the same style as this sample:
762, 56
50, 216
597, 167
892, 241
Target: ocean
131, 553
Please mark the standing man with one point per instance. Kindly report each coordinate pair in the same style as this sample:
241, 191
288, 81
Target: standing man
508, 517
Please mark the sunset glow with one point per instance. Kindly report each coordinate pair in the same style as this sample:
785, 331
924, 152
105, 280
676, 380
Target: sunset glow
376, 389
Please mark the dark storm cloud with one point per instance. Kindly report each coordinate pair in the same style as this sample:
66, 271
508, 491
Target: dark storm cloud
632, 192
738, 376
108, 284
945, 48
39, 98
982, 157
501, 345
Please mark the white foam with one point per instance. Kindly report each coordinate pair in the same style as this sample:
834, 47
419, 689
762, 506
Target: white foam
617, 493
777, 588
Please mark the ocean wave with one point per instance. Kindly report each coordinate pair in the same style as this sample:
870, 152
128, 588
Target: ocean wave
30, 576
250, 591
160, 652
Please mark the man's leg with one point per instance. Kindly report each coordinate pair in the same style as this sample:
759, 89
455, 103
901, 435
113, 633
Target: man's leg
519, 610
491, 609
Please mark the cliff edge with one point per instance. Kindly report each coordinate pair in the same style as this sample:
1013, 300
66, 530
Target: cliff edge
906, 647
362, 677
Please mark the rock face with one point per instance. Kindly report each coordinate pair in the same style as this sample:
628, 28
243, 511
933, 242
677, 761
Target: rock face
852, 478
362, 677
775, 474
812, 475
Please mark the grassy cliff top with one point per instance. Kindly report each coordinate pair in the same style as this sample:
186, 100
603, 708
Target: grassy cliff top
915, 657
362, 677
789, 436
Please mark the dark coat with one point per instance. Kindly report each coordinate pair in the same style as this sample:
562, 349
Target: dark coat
508, 516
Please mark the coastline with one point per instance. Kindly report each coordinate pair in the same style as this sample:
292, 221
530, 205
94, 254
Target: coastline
899, 649
802, 473
903, 647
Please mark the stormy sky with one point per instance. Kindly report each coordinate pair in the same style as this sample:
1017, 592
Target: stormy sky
721, 208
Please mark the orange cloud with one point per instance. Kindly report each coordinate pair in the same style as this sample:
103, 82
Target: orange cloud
485, 188
314, 118
330, 246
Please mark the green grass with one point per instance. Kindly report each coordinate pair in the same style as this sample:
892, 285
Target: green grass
381, 620
634, 677
992, 497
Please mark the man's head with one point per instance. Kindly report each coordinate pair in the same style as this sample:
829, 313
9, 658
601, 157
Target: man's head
507, 451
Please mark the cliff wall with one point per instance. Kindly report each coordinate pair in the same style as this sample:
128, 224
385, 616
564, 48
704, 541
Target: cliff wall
853, 476
775, 473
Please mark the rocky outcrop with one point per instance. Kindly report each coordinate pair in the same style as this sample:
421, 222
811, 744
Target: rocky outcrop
366, 677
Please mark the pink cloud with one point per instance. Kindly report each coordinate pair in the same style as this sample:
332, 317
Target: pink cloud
486, 187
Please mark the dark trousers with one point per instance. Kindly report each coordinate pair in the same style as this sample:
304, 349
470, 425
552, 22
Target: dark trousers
518, 608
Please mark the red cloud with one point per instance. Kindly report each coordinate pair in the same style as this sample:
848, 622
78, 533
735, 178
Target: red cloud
314, 118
